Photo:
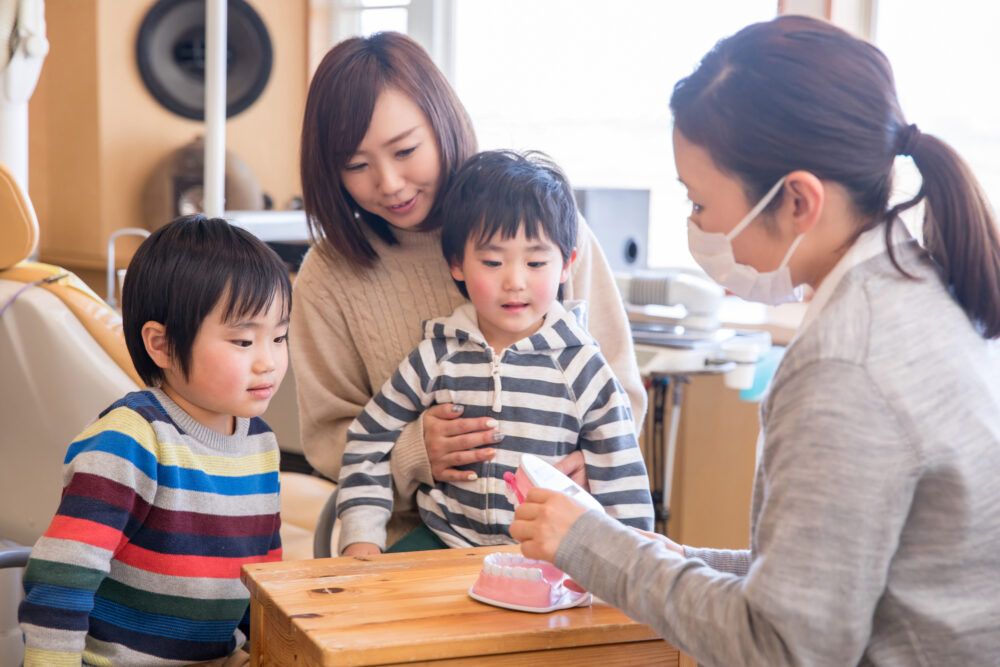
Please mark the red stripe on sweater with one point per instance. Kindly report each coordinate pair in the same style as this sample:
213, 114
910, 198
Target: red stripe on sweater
212, 567
167, 520
108, 491
216, 525
83, 530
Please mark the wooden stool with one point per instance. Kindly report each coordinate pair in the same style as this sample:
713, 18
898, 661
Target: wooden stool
414, 608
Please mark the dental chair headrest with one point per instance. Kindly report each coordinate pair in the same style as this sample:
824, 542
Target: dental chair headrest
18, 224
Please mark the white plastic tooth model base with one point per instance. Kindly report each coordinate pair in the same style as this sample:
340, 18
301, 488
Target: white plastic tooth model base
515, 582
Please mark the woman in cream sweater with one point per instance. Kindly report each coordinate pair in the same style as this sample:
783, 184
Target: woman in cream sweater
383, 133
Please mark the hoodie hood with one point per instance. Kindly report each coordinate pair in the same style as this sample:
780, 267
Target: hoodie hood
564, 326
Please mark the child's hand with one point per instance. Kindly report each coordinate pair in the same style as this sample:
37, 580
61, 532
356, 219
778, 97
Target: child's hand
361, 549
573, 467
542, 521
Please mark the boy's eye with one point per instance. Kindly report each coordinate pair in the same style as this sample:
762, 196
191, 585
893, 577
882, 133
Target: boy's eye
406, 152
491, 263
537, 265
242, 343
281, 339
695, 208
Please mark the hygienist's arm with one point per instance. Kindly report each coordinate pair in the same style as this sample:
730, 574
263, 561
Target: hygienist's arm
839, 474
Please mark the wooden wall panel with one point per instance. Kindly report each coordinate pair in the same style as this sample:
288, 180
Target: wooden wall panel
97, 134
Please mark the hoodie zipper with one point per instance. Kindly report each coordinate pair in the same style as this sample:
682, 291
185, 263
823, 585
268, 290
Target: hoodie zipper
488, 510
495, 372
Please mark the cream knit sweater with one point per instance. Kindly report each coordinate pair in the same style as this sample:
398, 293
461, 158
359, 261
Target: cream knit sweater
351, 328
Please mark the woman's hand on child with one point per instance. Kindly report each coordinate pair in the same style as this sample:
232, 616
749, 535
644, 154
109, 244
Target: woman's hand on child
361, 549
452, 441
542, 521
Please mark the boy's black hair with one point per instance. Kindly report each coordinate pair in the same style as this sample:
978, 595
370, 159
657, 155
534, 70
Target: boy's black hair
180, 272
495, 192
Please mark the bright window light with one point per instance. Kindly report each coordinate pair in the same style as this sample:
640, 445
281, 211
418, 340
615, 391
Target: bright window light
589, 83
943, 56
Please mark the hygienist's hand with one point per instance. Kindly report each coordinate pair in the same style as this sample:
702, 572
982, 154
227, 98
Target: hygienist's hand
361, 549
452, 440
572, 466
542, 521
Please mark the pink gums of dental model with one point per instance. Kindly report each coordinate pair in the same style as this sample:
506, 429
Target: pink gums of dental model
515, 582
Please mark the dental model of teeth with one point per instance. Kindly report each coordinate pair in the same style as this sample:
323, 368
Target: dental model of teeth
515, 582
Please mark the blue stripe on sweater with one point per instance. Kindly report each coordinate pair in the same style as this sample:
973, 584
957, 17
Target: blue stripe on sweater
45, 616
257, 426
461, 383
530, 360
128, 449
117, 444
165, 626
185, 544
587, 375
161, 646
196, 480
417, 364
564, 331
474, 357
567, 356
361, 479
394, 409
47, 595
99, 511
366, 501
612, 473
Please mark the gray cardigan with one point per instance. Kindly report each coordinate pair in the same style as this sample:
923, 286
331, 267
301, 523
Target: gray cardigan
875, 520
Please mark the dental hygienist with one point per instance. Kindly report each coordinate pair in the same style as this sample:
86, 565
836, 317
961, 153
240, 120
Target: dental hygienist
875, 522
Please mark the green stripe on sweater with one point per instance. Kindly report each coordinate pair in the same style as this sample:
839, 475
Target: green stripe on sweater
173, 605
55, 573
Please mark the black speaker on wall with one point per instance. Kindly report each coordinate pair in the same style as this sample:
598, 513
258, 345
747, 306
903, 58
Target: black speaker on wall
170, 51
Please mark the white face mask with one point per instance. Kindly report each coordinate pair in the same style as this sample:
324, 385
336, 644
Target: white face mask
714, 254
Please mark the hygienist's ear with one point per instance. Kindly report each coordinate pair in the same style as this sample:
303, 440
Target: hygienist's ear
806, 202
564, 276
154, 337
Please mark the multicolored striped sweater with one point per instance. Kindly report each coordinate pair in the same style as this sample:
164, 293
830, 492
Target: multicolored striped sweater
141, 564
552, 392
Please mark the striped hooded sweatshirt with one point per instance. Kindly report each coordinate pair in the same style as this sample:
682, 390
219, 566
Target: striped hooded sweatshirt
141, 564
552, 392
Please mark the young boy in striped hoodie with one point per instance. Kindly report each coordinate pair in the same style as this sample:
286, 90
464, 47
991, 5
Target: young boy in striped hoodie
514, 353
175, 487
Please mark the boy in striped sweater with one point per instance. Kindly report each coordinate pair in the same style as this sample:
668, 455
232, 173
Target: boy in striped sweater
513, 353
175, 487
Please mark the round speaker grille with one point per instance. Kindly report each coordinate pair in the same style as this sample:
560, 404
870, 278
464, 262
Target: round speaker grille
171, 53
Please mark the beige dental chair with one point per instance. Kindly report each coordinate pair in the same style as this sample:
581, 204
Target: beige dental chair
62, 360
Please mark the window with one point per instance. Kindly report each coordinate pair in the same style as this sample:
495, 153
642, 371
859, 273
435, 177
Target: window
589, 83
586, 81
331, 21
943, 55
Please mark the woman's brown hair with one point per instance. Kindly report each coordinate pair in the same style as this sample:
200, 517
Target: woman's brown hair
799, 93
338, 111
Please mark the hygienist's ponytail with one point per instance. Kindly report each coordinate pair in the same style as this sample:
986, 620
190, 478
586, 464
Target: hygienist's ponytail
960, 230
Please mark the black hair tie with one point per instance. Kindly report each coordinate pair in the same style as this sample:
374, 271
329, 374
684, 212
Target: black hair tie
910, 137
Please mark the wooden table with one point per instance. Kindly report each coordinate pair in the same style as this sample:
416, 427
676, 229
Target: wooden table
414, 608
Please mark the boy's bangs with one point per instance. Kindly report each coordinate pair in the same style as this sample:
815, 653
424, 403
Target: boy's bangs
249, 295
506, 221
